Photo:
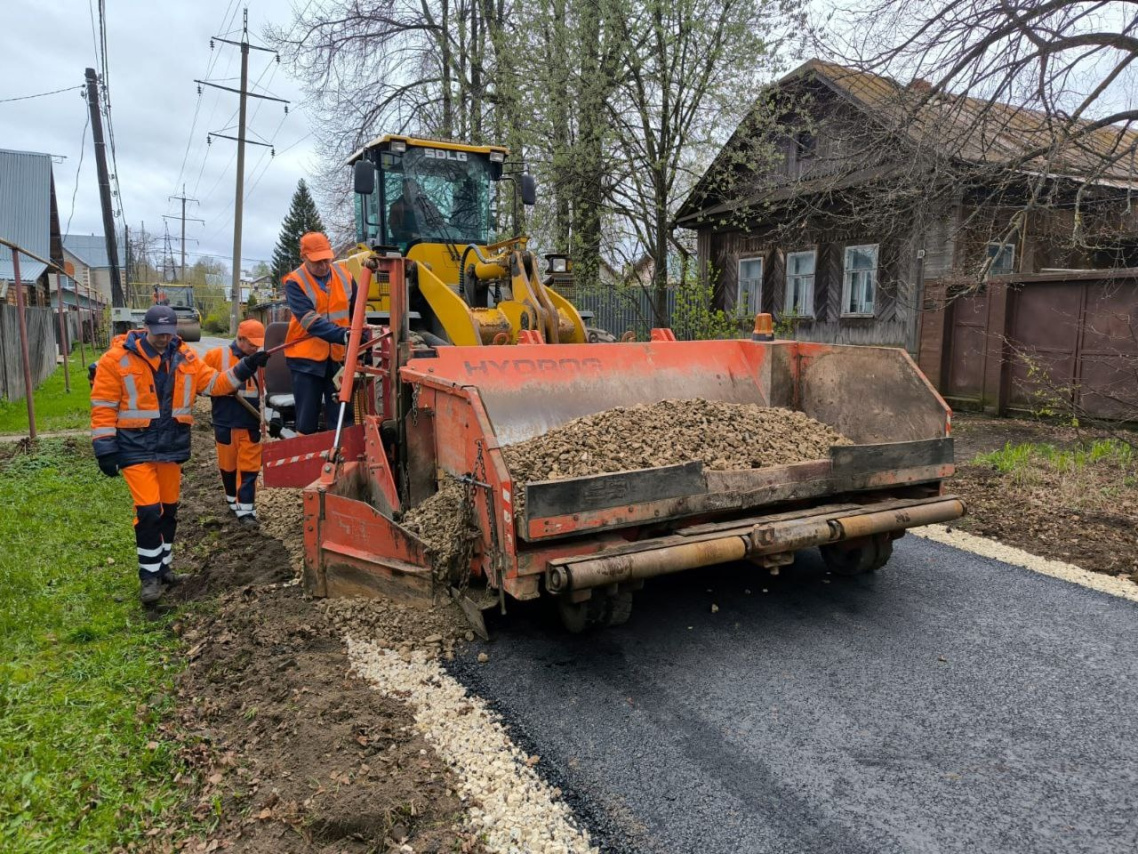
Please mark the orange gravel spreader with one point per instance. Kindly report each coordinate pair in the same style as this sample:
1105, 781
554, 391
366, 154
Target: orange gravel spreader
590, 542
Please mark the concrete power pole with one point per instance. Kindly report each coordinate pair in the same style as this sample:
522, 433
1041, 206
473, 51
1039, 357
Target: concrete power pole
238, 206
183, 199
118, 299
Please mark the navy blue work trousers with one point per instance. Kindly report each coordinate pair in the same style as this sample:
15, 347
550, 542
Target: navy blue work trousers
310, 391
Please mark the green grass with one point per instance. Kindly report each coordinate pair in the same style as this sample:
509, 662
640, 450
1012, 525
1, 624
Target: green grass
55, 408
84, 678
1016, 458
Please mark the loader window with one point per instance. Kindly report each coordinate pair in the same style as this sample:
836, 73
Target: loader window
437, 196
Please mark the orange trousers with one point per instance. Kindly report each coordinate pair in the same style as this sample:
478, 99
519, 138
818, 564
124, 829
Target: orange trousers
239, 460
155, 488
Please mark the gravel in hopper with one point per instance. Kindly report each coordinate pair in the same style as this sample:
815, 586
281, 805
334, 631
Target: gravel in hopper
723, 436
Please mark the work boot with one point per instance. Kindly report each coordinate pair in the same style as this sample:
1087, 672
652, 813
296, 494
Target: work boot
169, 578
249, 521
151, 590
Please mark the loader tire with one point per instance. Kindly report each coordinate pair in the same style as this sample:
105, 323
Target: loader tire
577, 617
870, 556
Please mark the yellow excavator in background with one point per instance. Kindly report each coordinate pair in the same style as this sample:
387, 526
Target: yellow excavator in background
433, 202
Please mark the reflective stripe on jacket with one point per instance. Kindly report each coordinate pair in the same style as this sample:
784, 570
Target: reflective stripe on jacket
127, 416
332, 305
227, 412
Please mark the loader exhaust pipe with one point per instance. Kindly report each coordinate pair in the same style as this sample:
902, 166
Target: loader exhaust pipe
774, 538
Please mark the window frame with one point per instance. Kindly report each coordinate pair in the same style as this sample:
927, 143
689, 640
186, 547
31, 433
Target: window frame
847, 284
787, 307
757, 297
1000, 246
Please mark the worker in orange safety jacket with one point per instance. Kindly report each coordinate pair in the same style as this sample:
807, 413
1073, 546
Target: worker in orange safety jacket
236, 429
141, 412
321, 295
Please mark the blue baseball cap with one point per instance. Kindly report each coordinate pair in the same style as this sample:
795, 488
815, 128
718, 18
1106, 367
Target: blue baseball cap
161, 320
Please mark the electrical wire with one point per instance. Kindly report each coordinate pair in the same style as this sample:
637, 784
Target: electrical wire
40, 95
75, 189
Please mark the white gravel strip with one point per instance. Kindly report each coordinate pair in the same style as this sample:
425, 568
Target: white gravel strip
996, 550
513, 809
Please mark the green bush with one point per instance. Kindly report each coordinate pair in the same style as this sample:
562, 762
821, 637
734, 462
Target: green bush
217, 322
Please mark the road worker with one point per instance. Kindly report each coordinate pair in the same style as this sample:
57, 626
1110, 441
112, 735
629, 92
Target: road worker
237, 425
321, 295
141, 414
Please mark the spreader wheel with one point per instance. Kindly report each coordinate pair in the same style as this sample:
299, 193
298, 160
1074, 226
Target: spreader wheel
869, 555
599, 610
618, 608
576, 617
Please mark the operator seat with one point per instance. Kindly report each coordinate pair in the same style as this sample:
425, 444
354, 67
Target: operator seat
280, 405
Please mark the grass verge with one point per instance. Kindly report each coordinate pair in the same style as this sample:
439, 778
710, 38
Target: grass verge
84, 679
1088, 476
55, 408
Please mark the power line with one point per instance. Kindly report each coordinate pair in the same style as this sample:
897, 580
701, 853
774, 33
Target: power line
75, 189
239, 196
39, 95
197, 109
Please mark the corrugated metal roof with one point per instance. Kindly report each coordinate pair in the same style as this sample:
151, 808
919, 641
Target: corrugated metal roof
91, 249
25, 210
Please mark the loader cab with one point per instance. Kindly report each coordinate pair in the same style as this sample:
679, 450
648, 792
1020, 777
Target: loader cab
413, 192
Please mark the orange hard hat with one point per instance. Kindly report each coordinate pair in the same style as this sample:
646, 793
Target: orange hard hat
315, 246
252, 331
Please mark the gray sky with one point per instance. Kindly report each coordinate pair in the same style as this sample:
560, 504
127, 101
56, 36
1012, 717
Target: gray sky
155, 51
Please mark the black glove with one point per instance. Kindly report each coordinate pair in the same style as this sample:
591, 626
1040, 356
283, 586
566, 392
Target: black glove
345, 334
257, 360
109, 464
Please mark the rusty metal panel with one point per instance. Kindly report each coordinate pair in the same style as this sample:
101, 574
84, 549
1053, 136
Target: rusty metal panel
1045, 331
871, 395
968, 346
850, 459
597, 492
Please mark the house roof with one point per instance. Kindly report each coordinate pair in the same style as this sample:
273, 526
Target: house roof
970, 130
91, 249
25, 210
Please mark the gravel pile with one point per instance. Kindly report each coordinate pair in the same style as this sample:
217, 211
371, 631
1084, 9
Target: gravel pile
723, 436
442, 524
405, 629
281, 514
508, 805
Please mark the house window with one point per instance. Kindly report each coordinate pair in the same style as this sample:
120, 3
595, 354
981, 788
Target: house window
805, 144
750, 286
1003, 257
800, 283
859, 281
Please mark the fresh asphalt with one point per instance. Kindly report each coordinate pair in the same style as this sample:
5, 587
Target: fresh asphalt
949, 703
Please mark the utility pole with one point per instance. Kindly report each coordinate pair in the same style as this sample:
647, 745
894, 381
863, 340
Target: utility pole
183, 199
238, 205
118, 300
126, 265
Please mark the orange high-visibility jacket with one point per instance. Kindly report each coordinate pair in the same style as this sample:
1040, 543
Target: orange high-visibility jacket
227, 412
332, 305
127, 416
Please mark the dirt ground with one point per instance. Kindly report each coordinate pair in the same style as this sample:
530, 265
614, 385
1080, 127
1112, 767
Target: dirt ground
1091, 522
284, 750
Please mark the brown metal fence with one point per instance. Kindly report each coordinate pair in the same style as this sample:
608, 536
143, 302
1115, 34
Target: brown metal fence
1021, 344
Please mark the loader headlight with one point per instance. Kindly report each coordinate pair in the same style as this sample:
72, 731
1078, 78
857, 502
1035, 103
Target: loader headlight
497, 157
398, 146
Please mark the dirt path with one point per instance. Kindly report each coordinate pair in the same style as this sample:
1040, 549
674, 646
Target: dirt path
287, 752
